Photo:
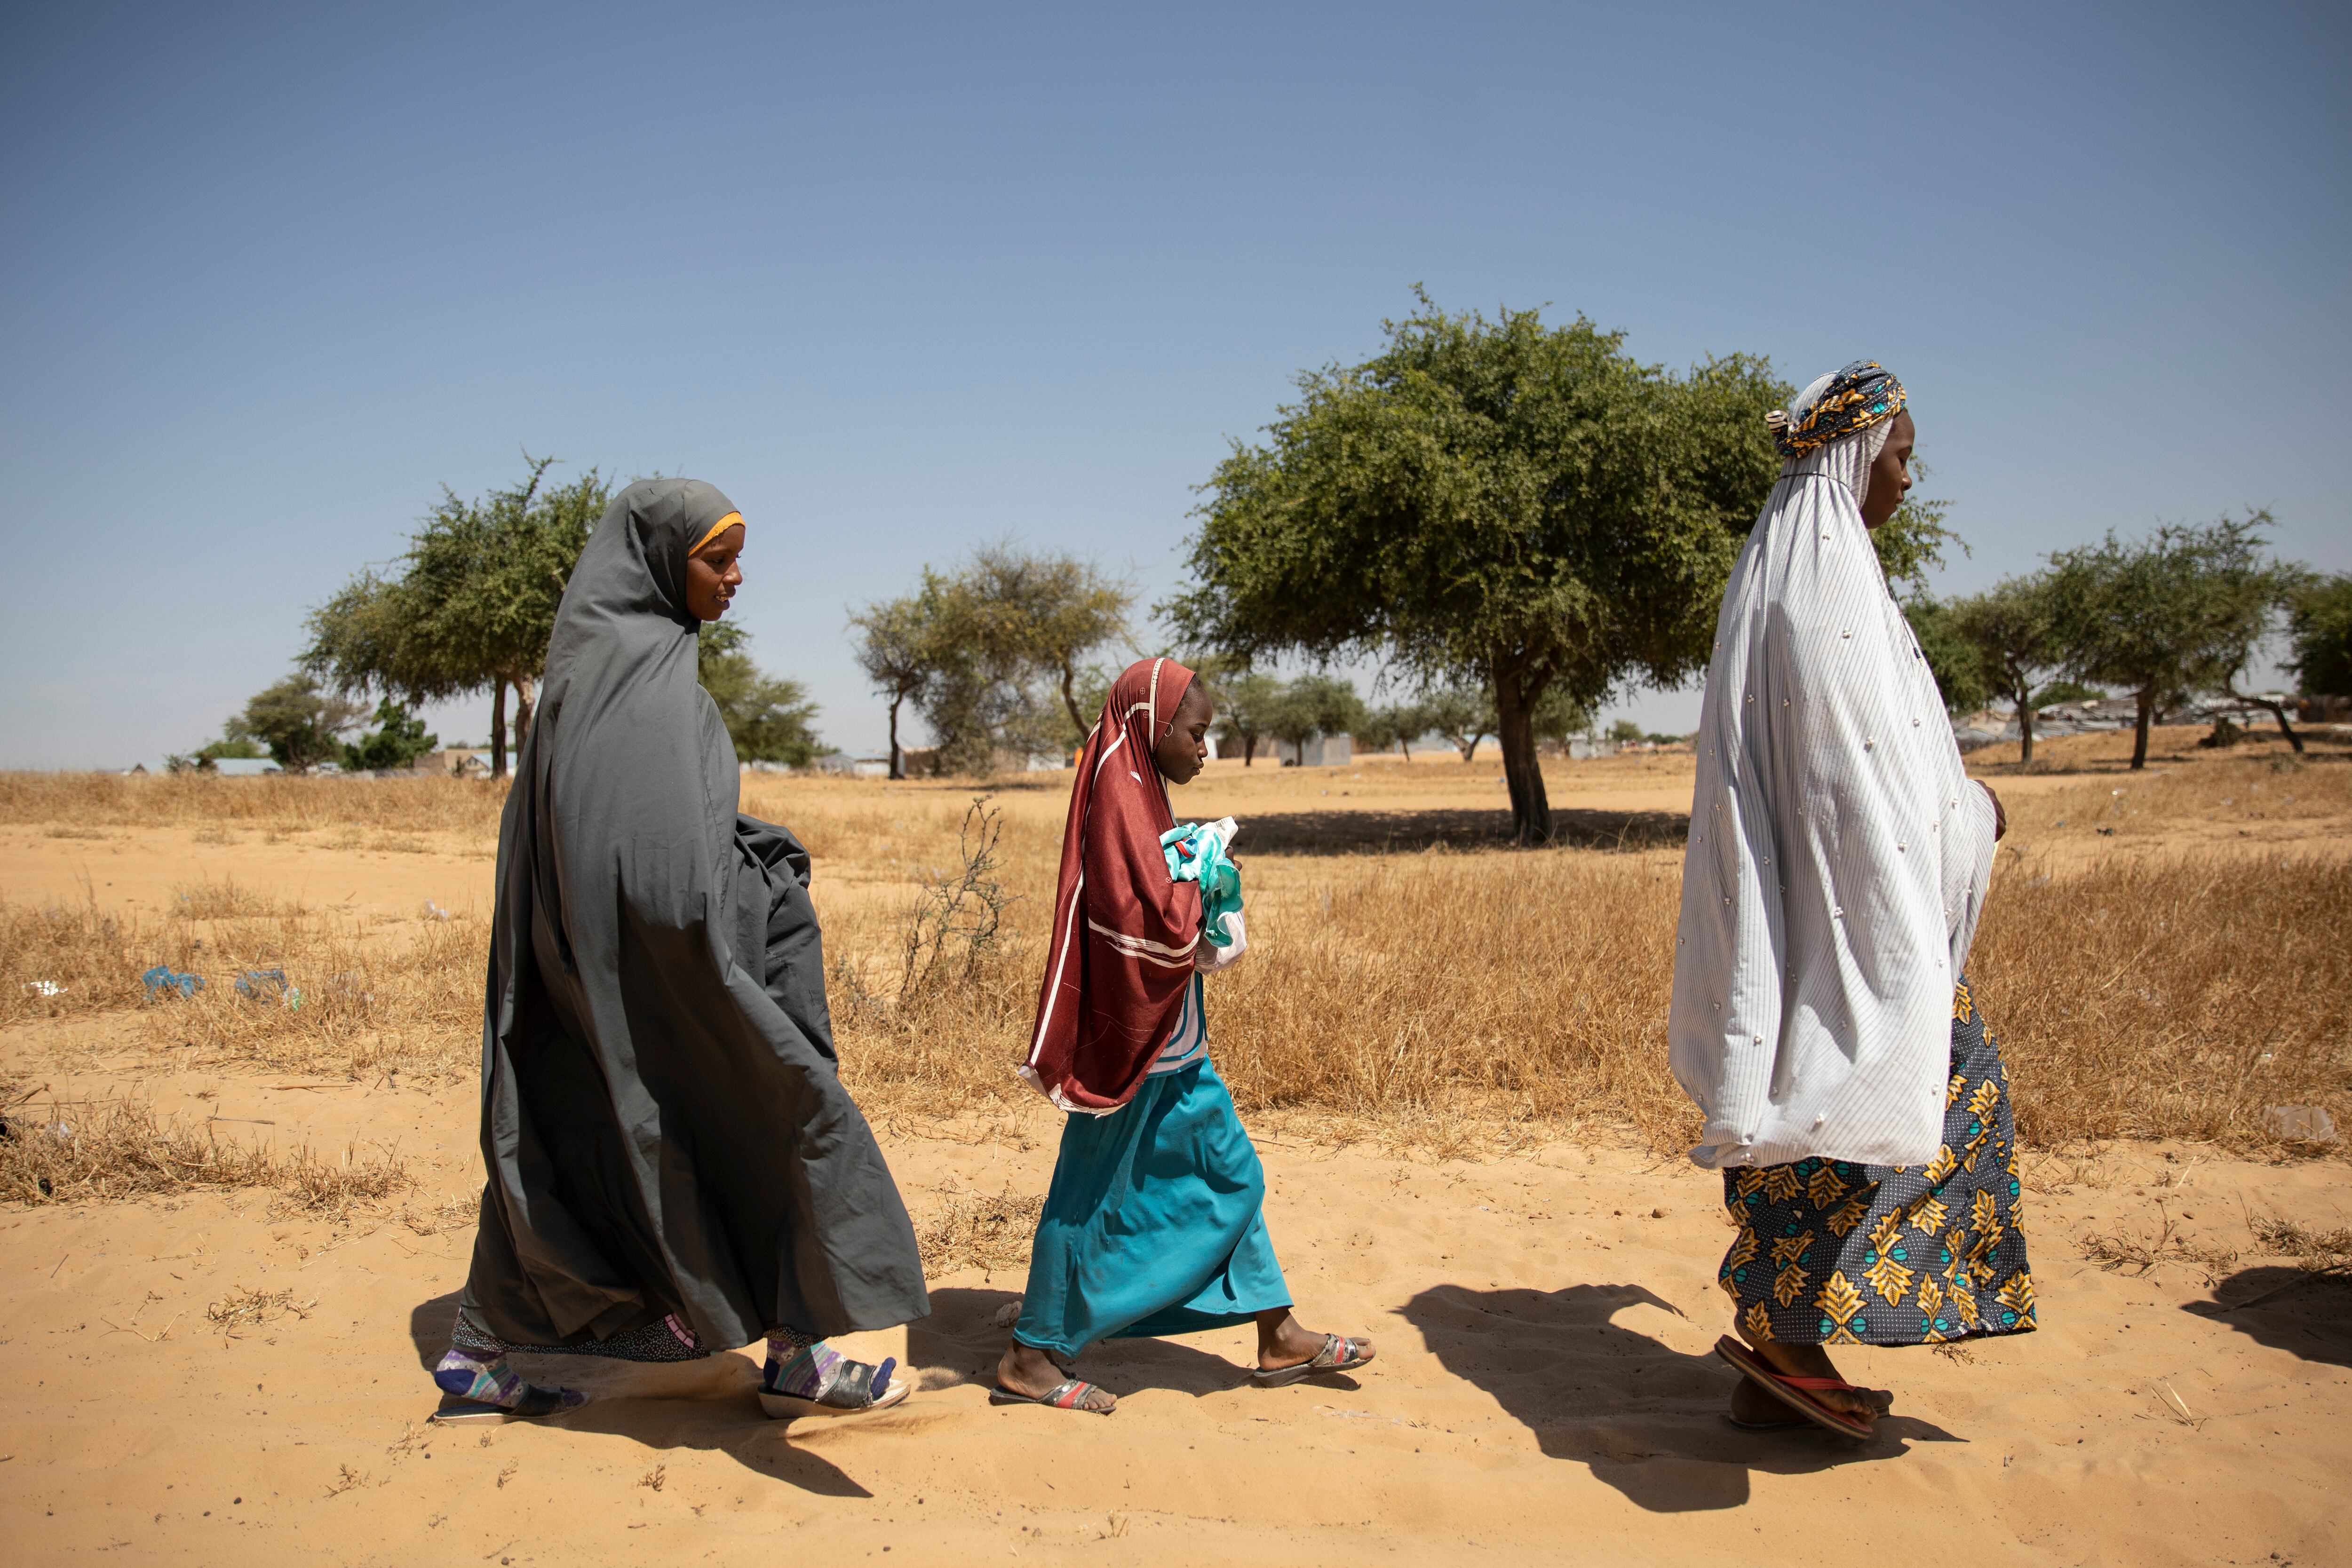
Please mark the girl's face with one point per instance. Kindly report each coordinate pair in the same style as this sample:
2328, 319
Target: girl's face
1890, 475
712, 575
1184, 751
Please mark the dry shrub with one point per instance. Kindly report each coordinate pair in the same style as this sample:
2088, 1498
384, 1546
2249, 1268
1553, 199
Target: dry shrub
2175, 999
2319, 1251
224, 900
2122, 1250
249, 1307
462, 807
63, 959
973, 1230
112, 1149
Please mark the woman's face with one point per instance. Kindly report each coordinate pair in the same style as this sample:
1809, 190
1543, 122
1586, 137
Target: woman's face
1890, 476
712, 575
1184, 751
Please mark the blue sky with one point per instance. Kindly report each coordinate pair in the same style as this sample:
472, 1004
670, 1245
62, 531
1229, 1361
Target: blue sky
901, 278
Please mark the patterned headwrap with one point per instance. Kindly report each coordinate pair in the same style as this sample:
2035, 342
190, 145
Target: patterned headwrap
1863, 394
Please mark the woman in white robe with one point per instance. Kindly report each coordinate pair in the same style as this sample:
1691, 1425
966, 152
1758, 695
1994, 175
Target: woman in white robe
1838, 859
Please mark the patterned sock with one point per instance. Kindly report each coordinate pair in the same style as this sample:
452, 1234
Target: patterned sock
487, 1379
807, 1368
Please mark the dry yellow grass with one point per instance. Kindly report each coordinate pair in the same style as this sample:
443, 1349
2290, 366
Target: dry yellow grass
361, 996
112, 1149
287, 805
1429, 995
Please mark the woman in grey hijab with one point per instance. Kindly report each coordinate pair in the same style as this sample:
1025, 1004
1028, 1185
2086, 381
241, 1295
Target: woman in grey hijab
674, 1167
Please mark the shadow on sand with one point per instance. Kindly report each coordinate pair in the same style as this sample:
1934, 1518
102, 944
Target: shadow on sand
1646, 1419
711, 1404
960, 1342
2295, 1310
1382, 833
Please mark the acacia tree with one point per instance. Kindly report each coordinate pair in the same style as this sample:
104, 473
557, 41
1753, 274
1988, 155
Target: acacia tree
1032, 613
1248, 707
2012, 628
300, 723
472, 605
2167, 617
1499, 501
1462, 715
900, 645
972, 650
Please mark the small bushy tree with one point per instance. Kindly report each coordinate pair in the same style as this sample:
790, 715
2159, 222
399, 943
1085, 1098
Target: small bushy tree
769, 718
398, 740
2319, 634
1464, 714
300, 723
2165, 617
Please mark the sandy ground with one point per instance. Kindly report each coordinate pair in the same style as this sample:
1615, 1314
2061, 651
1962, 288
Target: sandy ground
1544, 1393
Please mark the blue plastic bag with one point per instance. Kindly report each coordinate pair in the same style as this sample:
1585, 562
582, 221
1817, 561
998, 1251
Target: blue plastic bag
161, 979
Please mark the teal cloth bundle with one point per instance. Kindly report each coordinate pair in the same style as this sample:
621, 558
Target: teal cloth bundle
1196, 852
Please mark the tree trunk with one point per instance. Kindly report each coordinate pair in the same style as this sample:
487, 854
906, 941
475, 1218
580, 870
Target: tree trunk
897, 758
1406, 746
1249, 749
2139, 729
2278, 712
1515, 710
499, 727
2023, 694
524, 712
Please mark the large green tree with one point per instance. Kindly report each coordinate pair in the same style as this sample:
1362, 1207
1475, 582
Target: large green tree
2167, 617
1519, 505
470, 605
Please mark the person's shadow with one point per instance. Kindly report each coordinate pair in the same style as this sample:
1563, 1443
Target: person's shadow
2295, 1310
1648, 1420
711, 1404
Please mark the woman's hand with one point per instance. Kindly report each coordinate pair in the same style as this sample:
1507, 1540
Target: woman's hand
2000, 817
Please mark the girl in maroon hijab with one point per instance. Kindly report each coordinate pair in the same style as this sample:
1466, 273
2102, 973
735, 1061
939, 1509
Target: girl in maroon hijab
1152, 1224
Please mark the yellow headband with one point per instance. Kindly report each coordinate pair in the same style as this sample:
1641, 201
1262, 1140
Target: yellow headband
717, 529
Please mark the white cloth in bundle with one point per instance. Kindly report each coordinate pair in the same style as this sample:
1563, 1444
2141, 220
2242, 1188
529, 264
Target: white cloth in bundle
1839, 853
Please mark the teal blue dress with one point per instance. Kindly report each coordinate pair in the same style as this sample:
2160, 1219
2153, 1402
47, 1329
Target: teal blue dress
1153, 1223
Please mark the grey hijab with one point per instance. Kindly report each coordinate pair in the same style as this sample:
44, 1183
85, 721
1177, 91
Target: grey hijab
662, 1116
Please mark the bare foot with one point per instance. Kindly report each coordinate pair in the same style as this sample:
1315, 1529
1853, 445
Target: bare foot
1864, 1404
1025, 1369
1283, 1342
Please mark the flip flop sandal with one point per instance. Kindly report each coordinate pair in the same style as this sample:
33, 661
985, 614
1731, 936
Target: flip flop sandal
1339, 1354
851, 1391
1070, 1395
1780, 1425
1796, 1392
537, 1404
